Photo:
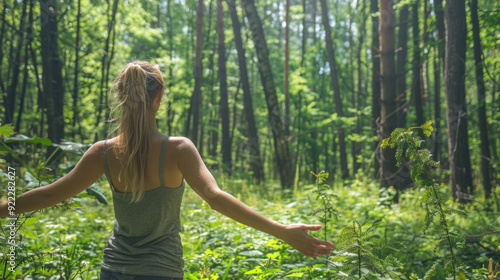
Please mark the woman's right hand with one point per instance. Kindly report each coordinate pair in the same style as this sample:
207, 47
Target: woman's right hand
298, 237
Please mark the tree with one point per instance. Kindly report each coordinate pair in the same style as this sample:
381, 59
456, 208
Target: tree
416, 77
285, 167
481, 100
253, 137
287, 58
16, 69
440, 38
401, 65
52, 78
335, 85
224, 107
375, 79
456, 111
198, 74
388, 95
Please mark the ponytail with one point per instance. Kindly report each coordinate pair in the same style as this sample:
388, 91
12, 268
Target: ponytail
134, 92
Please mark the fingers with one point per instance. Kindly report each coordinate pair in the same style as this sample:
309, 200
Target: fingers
311, 227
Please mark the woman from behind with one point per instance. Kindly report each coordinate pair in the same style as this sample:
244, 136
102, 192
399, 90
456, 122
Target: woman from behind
146, 171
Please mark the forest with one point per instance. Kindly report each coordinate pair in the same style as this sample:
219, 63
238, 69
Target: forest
377, 119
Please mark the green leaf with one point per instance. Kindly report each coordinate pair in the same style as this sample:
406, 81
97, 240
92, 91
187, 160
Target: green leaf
427, 128
385, 142
6, 130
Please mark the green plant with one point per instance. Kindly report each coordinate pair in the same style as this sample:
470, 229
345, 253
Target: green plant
408, 143
326, 211
357, 251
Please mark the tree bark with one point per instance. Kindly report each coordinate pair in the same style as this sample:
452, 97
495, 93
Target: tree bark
439, 62
456, 111
10, 101
402, 54
375, 82
416, 77
389, 176
224, 107
76, 120
285, 167
253, 137
481, 100
52, 78
105, 61
286, 122
335, 87
198, 75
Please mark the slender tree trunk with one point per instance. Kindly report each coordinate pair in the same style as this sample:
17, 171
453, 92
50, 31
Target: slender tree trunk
286, 122
401, 65
388, 91
285, 166
52, 70
198, 75
361, 32
376, 82
10, 101
481, 100
440, 37
224, 107
76, 120
456, 111
253, 137
170, 33
416, 77
104, 62
29, 37
335, 87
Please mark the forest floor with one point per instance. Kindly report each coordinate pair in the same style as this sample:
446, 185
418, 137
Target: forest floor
63, 243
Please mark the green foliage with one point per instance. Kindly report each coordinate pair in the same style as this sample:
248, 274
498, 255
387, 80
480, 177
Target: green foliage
432, 199
325, 195
357, 251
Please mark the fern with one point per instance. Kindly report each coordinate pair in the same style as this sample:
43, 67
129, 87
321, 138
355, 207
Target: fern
358, 248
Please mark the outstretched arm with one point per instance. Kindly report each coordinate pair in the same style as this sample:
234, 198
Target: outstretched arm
86, 172
203, 183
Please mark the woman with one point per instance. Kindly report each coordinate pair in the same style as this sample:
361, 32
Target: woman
146, 172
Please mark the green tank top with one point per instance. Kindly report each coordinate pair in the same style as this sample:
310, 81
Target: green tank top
145, 238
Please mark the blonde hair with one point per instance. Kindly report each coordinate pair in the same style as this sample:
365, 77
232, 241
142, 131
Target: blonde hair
135, 90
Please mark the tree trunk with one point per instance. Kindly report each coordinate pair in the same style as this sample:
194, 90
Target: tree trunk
481, 100
286, 122
376, 83
401, 65
335, 86
361, 32
2, 35
170, 33
10, 101
224, 107
253, 137
439, 61
285, 166
52, 70
104, 62
76, 120
416, 77
389, 176
456, 111
198, 75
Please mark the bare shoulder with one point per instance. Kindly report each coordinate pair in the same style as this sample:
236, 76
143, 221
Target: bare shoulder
181, 144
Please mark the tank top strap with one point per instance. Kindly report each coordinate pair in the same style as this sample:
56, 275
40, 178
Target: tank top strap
162, 159
106, 165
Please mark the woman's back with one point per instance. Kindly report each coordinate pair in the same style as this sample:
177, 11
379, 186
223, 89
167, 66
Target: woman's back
145, 238
171, 172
